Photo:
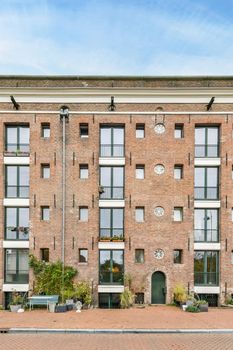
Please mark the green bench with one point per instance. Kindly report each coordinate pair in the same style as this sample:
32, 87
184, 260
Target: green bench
42, 300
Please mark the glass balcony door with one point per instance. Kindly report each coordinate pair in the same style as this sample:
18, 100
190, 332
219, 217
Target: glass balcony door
112, 141
206, 225
111, 223
206, 268
16, 266
207, 141
16, 223
111, 267
206, 183
112, 182
17, 138
17, 181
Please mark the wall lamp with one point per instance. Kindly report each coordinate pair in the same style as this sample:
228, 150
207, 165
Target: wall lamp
16, 105
208, 107
112, 106
64, 113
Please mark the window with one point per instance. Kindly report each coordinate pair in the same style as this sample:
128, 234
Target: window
177, 256
45, 213
83, 129
111, 267
16, 223
232, 256
140, 131
111, 223
139, 214
83, 214
16, 266
179, 131
232, 214
178, 214
83, 171
45, 131
112, 141
207, 141
17, 181
111, 182
139, 256
206, 182
139, 298
178, 172
83, 255
44, 254
109, 300
45, 171
17, 138
206, 268
140, 171
206, 225
232, 172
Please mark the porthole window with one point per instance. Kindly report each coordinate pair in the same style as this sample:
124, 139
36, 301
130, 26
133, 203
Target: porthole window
159, 128
159, 211
159, 169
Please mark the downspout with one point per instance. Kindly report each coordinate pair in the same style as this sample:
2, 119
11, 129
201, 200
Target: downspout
64, 117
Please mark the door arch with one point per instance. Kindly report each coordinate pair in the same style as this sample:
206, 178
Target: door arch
158, 288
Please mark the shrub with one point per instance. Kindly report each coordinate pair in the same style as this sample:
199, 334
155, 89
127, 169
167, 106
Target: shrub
17, 299
193, 308
179, 292
82, 292
126, 299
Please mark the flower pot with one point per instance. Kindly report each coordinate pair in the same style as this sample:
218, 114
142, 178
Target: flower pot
15, 308
203, 307
70, 307
52, 306
61, 308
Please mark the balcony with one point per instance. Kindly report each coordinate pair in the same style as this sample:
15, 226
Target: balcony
17, 233
112, 276
206, 278
206, 193
206, 236
110, 192
206, 151
112, 150
111, 235
13, 276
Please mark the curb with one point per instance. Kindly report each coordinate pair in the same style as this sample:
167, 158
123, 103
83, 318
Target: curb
120, 331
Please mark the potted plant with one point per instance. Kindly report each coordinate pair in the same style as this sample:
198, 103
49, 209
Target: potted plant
202, 305
82, 292
117, 238
16, 302
105, 239
180, 295
126, 299
68, 295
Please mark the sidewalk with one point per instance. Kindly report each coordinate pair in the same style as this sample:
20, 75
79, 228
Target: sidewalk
153, 317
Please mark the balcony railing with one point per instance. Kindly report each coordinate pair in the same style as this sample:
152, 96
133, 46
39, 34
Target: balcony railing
17, 233
13, 276
209, 235
111, 277
206, 151
112, 150
116, 192
111, 234
206, 278
211, 193
17, 191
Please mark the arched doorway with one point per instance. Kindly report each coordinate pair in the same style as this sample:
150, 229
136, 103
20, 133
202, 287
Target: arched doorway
158, 288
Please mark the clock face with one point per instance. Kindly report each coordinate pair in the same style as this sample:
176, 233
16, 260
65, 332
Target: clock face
159, 128
159, 254
159, 211
159, 169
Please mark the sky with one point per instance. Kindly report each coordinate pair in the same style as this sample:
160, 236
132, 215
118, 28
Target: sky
116, 37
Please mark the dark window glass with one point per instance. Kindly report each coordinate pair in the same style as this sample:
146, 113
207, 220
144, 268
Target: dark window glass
17, 138
45, 131
83, 129
206, 183
140, 131
112, 182
45, 171
44, 253
179, 131
207, 141
16, 223
111, 223
83, 255
45, 215
17, 181
111, 267
139, 256
112, 141
177, 256
206, 225
206, 268
16, 266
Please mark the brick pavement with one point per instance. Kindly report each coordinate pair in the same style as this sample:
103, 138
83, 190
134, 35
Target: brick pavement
166, 317
116, 342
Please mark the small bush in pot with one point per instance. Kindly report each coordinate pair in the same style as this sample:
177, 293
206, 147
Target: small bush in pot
126, 299
16, 302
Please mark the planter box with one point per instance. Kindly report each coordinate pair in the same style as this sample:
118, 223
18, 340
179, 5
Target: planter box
70, 307
61, 308
203, 307
15, 308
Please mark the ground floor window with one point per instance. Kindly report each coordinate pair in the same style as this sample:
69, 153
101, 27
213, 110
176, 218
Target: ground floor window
139, 298
9, 296
109, 300
212, 299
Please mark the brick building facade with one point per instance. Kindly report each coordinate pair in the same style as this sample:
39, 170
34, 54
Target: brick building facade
148, 183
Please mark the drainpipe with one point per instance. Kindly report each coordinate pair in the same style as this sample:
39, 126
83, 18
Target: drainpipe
64, 118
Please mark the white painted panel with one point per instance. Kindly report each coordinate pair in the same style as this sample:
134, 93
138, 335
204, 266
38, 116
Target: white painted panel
110, 289
15, 244
15, 287
111, 203
17, 160
207, 246
112, 161
111, 245
16, 202
207, 161
207, 204
207, 290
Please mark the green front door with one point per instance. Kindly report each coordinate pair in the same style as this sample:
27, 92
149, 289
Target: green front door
158, 288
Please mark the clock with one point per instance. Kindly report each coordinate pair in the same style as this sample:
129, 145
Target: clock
158, 254
159, 169
159, 128
159, 211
